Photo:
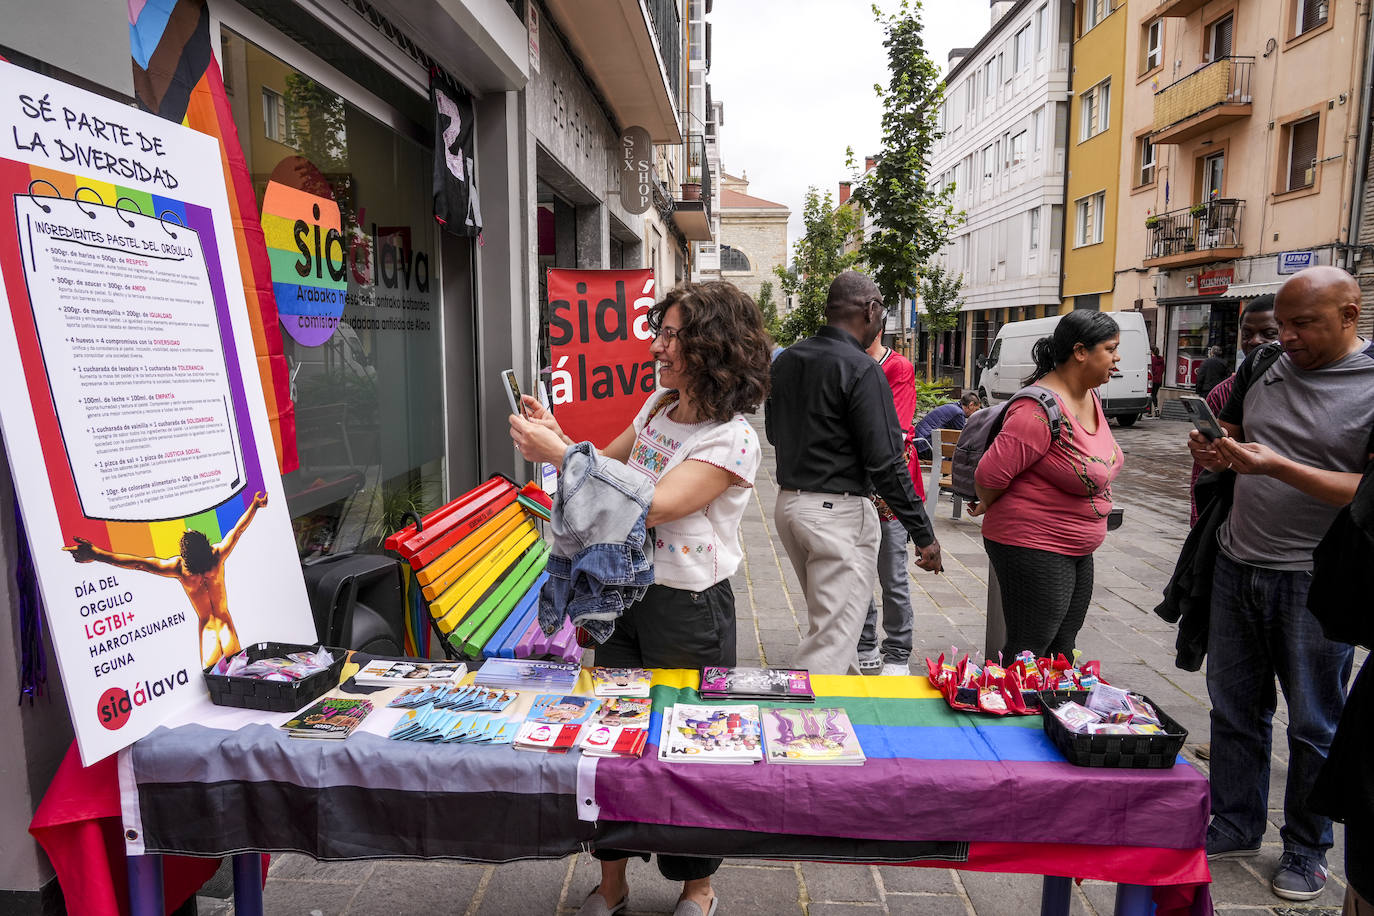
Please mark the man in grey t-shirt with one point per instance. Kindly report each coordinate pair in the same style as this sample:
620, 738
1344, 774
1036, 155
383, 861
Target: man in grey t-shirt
1298, 437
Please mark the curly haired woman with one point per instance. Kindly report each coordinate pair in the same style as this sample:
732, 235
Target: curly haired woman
692, 440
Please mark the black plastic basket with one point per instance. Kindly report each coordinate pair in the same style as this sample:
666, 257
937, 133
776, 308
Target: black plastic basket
1136, 752
275, 696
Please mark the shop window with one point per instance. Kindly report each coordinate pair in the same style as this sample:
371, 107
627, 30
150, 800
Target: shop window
732, 259
1152, 46
1089, 215
1193, 328
358, 299
1094, 110
1309, 14
1144, 161
1300, 151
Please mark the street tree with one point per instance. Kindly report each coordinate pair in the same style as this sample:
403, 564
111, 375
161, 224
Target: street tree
768, 307
941, 300
817, 259
913, 220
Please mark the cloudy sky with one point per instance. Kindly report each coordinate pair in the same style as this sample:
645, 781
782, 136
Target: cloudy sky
797, 76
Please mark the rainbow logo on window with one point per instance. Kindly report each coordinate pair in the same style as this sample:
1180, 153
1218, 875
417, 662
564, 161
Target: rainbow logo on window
305, 242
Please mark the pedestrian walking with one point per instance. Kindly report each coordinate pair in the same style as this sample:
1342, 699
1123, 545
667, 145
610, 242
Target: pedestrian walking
893, 579
831, 418
946, 416
1297, 438
1211, 372
1156, 379
1046, 500
692, 440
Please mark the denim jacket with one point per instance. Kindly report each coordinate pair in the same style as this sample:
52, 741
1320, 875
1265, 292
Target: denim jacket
600, 563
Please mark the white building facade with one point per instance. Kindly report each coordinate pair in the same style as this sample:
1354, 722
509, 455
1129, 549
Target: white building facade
1005, 122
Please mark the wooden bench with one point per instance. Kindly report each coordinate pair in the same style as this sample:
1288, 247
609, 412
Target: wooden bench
942, 443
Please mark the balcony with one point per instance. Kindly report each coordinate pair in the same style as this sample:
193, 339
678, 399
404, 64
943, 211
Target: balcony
692, 211
1212, 96
1175, 9
1196, 235
632, 51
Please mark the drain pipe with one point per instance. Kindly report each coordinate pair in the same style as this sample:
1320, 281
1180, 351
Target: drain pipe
1362, 147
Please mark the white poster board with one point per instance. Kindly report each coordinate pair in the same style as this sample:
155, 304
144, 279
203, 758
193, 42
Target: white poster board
132, 412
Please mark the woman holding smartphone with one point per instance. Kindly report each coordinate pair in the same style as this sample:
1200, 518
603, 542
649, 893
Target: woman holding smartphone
692, 440
1047, 500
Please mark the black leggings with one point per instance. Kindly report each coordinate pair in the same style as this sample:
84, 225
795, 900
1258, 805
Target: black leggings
1044, 597
673, 628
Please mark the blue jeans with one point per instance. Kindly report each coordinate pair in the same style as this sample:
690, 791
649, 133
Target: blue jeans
1260, 627
896, 583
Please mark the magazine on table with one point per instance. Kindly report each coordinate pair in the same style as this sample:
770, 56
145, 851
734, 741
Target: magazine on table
619, 728
814, 736
394, 672
523, 674
789, 684
329, 717
555, 722
711, 734
620, 682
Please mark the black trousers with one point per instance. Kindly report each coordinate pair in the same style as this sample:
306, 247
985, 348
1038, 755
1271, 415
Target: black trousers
1045, 597
673, 628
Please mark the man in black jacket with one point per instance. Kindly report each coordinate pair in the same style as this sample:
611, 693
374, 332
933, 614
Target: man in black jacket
1211, 372
831, 419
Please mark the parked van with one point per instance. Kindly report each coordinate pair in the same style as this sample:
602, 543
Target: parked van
1007, 364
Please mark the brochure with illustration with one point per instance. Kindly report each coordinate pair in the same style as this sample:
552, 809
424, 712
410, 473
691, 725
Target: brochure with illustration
393, 672
523, 674
329, 717
620, 682
788, 684
711, 734
817, 736
620, 728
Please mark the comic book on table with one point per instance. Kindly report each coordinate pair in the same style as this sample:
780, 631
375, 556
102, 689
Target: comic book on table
815, 736
524, 674
395, 672
555, 722
711, 734
772, 684
619, 728
329, 717
620, 682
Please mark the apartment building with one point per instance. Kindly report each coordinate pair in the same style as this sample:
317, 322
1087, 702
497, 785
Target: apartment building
1094, 144
1005, 121
1243, 119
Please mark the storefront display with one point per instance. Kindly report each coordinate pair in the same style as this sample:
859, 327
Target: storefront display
1193, 328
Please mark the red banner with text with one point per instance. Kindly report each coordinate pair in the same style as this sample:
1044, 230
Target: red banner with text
599, 350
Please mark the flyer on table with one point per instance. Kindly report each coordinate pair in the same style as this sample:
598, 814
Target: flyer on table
135, 428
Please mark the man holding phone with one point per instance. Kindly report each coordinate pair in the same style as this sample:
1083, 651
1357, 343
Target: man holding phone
1297, 436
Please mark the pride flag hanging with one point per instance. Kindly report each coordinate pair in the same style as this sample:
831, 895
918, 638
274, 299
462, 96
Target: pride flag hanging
176, 77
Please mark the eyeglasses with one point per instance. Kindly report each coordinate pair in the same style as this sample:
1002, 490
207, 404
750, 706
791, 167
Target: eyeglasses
882, 309
667, 334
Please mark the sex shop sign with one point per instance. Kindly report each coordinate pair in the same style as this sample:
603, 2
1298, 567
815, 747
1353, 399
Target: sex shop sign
599, 350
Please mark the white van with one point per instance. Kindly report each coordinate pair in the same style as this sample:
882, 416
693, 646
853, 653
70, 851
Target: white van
1007, 364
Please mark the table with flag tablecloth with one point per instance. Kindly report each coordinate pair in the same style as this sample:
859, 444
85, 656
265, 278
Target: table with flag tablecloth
939, 788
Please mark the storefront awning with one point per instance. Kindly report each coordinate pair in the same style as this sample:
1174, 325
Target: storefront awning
1251, 290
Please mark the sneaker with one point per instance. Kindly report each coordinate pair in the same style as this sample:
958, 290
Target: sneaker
891, 669
871, 663
1299, 877
1221, 846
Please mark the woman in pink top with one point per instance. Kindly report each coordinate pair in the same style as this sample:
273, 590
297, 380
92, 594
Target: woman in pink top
1047, 503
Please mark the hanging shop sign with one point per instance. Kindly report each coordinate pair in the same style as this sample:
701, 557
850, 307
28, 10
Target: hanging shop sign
636, 170
1215, 282
1290, 262
143, 464
599, 348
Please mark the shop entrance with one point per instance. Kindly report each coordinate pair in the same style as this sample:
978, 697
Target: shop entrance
1195, 327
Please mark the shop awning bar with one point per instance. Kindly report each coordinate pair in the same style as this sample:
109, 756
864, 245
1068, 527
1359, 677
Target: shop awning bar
1210, 97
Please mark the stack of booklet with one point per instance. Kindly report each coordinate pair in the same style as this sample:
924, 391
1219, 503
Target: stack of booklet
429, 723
823, 736
618, 728
523, 674
390, 672
555, 723
329, 717
711, 734
772, 684
620, 682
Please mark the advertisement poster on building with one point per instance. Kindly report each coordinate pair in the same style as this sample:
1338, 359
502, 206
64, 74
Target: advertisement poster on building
599, 350
142, 463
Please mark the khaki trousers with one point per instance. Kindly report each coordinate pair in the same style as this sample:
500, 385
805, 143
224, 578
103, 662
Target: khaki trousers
1355, 905
832, 541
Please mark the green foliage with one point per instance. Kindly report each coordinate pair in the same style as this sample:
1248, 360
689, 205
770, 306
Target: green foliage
930, 395
941, 301
818, 258
913, 221
769, 308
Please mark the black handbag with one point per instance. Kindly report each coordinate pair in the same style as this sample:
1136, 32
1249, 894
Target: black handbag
1343, 570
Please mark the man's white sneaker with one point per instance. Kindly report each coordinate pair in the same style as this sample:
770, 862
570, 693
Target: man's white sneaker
893, 670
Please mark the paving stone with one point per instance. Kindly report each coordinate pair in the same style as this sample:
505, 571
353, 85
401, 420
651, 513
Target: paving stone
839, 883
425, 887
916, 879
765, 891
307, 898
291, 865
926, 905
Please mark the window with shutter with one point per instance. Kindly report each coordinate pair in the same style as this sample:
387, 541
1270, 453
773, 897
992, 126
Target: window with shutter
1311, 13
1221, 37
1302, 153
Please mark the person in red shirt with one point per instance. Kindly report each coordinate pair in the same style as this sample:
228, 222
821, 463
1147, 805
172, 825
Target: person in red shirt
1045, 503
1156, 379
892, 572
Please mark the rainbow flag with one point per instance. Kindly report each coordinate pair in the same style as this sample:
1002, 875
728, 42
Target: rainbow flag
176, 77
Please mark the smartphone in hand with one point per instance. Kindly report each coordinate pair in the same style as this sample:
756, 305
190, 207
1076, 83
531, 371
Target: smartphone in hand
1202, 417
517, 405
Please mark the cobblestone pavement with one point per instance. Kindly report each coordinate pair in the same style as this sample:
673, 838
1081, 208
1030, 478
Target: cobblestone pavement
1135, 646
